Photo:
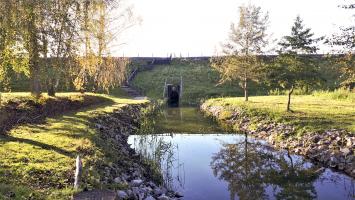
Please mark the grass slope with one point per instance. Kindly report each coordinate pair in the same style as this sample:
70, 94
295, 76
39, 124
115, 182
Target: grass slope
38, 161
199, 82
317, 112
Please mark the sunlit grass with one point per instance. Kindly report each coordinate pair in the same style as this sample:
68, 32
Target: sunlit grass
309, 112
200, 81
38, 161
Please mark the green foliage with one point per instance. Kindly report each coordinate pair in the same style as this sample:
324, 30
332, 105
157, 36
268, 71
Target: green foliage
290, 70
301, 39
32, 30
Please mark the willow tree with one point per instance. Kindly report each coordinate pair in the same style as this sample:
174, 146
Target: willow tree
30, 17
247, 41
102, 22
61, 30
7, 42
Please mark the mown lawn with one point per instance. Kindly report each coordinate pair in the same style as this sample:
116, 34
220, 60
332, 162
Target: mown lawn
200, 81
37, 161
317, 112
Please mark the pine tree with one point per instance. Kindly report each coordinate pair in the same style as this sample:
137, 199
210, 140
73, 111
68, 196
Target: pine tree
293, 67
300, 41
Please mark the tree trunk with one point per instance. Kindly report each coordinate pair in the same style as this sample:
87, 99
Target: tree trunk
246, 89
51, 87
289, 99
33, 49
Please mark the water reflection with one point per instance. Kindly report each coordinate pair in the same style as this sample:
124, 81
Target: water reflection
180, 120
230, 166
250, 168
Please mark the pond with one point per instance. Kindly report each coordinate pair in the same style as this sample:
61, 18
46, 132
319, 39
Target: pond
201, 161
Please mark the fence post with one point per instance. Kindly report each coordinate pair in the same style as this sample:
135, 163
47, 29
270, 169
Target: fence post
78, 172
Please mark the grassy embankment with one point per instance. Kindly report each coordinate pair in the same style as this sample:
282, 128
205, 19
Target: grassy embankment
317, 112
37, 161
200, 81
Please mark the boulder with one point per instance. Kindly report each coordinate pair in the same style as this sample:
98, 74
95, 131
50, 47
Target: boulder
122, 194
149, 198
345, 151
136, 182
163, 197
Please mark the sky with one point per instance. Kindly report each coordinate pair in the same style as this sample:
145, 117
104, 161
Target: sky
198, 27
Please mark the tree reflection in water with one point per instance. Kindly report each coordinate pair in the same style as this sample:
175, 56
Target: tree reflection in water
251, 169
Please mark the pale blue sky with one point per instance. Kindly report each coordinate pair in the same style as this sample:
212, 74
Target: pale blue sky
197, 27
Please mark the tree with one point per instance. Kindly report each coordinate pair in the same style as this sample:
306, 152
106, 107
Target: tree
61, 29
242, 165
346, 61
32, 13
52, 40
101, 26
12, 57
294, 66
249, 168
246, 41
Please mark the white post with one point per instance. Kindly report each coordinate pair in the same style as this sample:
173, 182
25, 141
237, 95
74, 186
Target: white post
78, 171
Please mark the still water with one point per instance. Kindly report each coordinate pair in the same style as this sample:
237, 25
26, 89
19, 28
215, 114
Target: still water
201, 161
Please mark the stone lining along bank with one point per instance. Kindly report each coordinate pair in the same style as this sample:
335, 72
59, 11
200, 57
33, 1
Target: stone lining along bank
332, 148
131, 171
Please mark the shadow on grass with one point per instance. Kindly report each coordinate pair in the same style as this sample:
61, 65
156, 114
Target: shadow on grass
17, 115
8, 138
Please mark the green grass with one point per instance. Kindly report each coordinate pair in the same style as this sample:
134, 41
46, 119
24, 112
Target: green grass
316, 112
200, 81
38, 161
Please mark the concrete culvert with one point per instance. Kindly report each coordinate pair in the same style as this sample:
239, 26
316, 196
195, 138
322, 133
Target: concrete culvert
173, 95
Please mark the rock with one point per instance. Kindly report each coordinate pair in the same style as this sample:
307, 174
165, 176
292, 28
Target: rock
117, 180
135, 191
163, 197
147, 189
136, 182
345, 151
151, 184
99, 126
349, 142
160, 191
130, 193
320, 170
333, 162
122, 194
178, 195
149, 198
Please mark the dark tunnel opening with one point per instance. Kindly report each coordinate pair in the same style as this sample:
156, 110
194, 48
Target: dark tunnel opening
173, 95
